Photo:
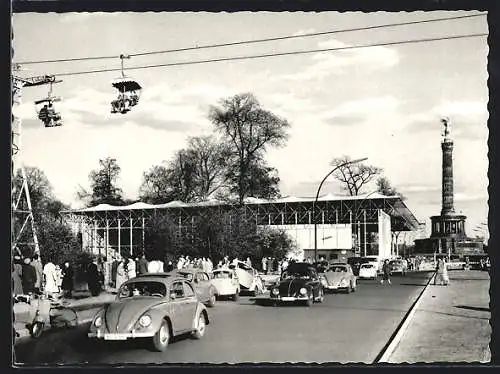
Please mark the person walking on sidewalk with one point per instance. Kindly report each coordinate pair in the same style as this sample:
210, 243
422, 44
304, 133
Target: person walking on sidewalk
142, 265
17, 283
28, 276
37, 264
93, 278
386, 272
67, 282
50, 286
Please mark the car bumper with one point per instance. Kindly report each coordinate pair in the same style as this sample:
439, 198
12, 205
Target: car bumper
336, 287
290, 299
120, 336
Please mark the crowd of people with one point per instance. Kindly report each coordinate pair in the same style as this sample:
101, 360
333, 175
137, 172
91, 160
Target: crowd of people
29, 277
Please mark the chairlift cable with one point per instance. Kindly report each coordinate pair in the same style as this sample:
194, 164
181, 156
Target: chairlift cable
278, 54
286, 37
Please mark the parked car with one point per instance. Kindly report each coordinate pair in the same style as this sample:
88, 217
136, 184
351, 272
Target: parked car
375, 260
298, 283
367, 271
156, 307
248, 277
226, 283
203, 286
339, 277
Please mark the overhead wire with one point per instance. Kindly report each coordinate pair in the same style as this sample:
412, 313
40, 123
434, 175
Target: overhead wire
275, 54
254, 41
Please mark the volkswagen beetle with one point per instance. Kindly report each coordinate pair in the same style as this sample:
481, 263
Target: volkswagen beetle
298, 283
155, 307
226, 282
339, 277
202, 284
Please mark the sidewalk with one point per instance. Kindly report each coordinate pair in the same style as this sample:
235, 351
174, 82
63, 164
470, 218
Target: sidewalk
451, 324
85, 306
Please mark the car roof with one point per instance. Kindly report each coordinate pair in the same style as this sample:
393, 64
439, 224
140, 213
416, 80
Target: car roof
165, 278
187, 271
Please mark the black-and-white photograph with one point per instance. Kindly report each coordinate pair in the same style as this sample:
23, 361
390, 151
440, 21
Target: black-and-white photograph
250, 187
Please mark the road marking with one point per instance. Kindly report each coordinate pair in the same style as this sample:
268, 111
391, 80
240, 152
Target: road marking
390, 347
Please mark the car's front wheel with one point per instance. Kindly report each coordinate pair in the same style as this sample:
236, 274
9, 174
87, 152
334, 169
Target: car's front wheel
201, 327
161, 338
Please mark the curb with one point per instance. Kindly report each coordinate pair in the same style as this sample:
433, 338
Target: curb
388, 350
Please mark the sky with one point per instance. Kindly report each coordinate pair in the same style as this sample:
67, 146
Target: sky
382, 102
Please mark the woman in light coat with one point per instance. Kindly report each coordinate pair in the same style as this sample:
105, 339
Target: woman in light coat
131, 273
121, 274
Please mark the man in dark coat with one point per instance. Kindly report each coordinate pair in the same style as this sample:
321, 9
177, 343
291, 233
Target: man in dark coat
386, 270
114, 267
28, 276
142, 265
93, 278
67, 281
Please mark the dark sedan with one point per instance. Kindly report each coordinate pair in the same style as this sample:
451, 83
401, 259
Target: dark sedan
298, 283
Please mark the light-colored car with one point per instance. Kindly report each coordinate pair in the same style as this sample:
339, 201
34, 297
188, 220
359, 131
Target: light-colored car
339, 277
226, 283
202, 284
156, 307
248, 277
367, 271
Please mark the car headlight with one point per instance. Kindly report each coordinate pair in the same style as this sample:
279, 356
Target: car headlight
98, 321
275, 291
145, 321
303, 291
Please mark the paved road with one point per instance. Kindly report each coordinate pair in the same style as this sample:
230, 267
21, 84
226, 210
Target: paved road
344, 328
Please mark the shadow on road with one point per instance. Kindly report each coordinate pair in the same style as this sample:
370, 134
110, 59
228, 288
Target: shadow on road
476, 308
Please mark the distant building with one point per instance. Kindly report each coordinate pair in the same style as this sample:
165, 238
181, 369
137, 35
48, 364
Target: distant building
448, 235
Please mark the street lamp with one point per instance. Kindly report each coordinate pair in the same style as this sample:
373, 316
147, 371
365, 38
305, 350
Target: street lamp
316, 201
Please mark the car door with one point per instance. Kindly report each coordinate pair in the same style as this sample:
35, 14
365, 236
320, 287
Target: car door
205, 284
181, 320
191, 302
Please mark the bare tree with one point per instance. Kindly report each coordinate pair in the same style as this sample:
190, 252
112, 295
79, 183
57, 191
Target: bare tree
249, 131
354, 176
210, 159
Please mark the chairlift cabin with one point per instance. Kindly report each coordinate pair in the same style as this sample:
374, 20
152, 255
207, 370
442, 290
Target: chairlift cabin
46, 110
129, 92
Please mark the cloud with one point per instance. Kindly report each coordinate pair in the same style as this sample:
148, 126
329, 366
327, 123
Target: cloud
357, 112
328, 63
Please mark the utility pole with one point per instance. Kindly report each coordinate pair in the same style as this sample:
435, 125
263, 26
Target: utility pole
22, 212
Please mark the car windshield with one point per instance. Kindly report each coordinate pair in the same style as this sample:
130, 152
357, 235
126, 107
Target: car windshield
296, 273
338, 269
222, 275
188, 276
142, 288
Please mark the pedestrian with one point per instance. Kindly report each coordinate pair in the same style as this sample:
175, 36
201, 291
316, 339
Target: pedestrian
249, 262
58, 278
121, 275
170, 267
446, 279
264, 265
114, 267
28, 276
93, 278
37, 264
142, 265
131, 269
50, 274
67, 281
16, 276
386, 272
